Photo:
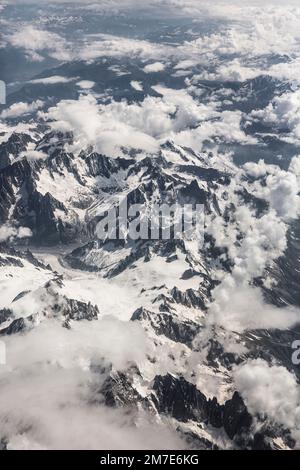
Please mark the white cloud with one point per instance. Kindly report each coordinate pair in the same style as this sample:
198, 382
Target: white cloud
280, 188
282, 192
256, 170
235, 71
154, 67
240, 308
284, 112
270, 390
294, 167
231, 71
191, 6
142, 126
86, 84
175, 115
262, 32
24, 232
8, 232
101, 45
185, 64
258, 32
58, 374
107, 127
225, 128
188, 111
136, 85
21, 109
35, 40
33, 155
253, 243
289, 70
52, 80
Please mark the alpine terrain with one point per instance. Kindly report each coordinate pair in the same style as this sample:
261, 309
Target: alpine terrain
149, 342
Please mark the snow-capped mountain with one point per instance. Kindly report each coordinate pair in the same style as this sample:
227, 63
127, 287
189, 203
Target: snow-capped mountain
144, 336
166, 288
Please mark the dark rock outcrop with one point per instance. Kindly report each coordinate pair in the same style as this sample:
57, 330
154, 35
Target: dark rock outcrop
118, 391
5, 314
10, 149
169, 325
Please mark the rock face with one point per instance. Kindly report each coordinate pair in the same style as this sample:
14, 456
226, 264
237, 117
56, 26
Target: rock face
76, 310
10, 149
118, 391
183, 401
180, 399
11, 256
180, 331
5, 314
189, 298
18, 325
67, 309
177, 398
236, 419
